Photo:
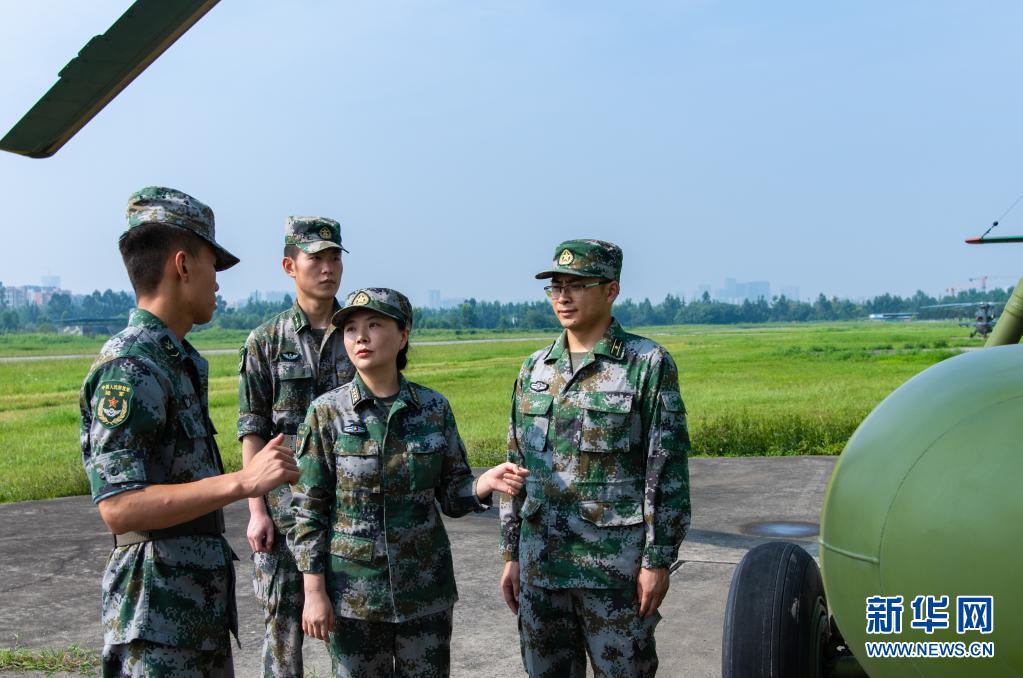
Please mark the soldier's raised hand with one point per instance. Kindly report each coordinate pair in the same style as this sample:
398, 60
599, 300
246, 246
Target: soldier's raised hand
506, 477
272, 466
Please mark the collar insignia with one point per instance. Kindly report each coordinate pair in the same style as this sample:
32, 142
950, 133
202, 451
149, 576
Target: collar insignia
618, 349
353, 391
168, 345
355, 428
539, 386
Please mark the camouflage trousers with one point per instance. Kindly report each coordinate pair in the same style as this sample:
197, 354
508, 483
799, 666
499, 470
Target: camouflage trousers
420, 647
559, 627
280, 593
153, 660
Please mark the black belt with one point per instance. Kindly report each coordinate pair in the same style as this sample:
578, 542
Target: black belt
209, 524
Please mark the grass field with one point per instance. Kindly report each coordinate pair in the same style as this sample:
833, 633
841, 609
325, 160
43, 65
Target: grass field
757, 390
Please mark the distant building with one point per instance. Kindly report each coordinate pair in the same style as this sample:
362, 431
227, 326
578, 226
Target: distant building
29, 295
452, 302
735, 292
791, 292
434, 299
50, 281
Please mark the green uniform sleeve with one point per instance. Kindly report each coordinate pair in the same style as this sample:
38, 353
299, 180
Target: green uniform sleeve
666, 504
313, 496
124, 412
255, 391
457, 492
512, 506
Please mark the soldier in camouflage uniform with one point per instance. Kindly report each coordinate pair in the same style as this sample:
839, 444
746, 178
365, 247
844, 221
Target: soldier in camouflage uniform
151, 458
285, 363
598, 421
376, 456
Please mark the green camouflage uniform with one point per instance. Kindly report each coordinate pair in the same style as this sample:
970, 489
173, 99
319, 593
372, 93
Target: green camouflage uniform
283, 368
366, 516
606, 445
168, 601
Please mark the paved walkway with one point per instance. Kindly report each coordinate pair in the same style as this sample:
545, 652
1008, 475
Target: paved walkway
52, 554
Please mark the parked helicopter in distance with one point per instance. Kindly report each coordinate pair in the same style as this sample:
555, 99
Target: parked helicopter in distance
984, 318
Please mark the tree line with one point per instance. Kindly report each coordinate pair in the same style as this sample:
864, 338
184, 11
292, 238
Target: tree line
529, 315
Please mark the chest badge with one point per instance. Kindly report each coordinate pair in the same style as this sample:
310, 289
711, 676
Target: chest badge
290, 355
539, 386
354, 428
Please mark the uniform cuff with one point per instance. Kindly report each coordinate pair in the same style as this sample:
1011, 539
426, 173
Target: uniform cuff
254, 424
481, 504
657, 557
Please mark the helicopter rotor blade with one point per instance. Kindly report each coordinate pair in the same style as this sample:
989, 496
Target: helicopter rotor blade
105, 66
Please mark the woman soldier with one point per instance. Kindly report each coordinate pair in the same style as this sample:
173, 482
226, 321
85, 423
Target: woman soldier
374, 455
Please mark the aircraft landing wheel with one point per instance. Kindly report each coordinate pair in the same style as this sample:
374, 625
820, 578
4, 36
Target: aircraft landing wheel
776, 619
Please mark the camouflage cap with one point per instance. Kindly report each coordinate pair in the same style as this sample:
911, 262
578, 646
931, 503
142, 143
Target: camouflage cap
161, 205
391, 303
313, 234
596, 258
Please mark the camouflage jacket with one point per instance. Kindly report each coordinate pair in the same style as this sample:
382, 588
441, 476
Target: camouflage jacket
607, 450
282, 370
145, 421
366, 502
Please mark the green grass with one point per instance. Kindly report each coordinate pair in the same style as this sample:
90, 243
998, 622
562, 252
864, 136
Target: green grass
74, 659
51, 344
758, 390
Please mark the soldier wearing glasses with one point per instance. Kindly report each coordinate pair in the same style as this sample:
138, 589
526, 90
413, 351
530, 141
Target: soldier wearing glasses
598, 420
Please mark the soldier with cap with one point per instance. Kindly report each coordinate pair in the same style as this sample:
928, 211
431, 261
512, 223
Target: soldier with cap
376, 456
598, 420
151, 458
286, 363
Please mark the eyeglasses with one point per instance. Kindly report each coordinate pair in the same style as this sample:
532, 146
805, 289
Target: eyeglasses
572, 289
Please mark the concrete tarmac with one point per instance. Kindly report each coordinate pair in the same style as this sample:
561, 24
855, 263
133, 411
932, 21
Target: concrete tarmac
52, 554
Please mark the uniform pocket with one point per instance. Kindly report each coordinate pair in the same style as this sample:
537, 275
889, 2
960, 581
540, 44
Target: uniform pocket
425, 465
530, 509
294, 382
535, 420
607, 421
350, 547
611, 514
192, 574
356, 462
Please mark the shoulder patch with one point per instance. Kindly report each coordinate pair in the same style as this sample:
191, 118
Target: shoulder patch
113, 404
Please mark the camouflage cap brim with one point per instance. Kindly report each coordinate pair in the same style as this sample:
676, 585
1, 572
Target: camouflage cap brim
562, 271
318, 246
225, 259
385, 309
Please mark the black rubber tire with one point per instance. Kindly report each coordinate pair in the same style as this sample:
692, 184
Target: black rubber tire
776, 619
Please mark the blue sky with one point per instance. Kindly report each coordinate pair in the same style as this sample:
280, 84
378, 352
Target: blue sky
842, 147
